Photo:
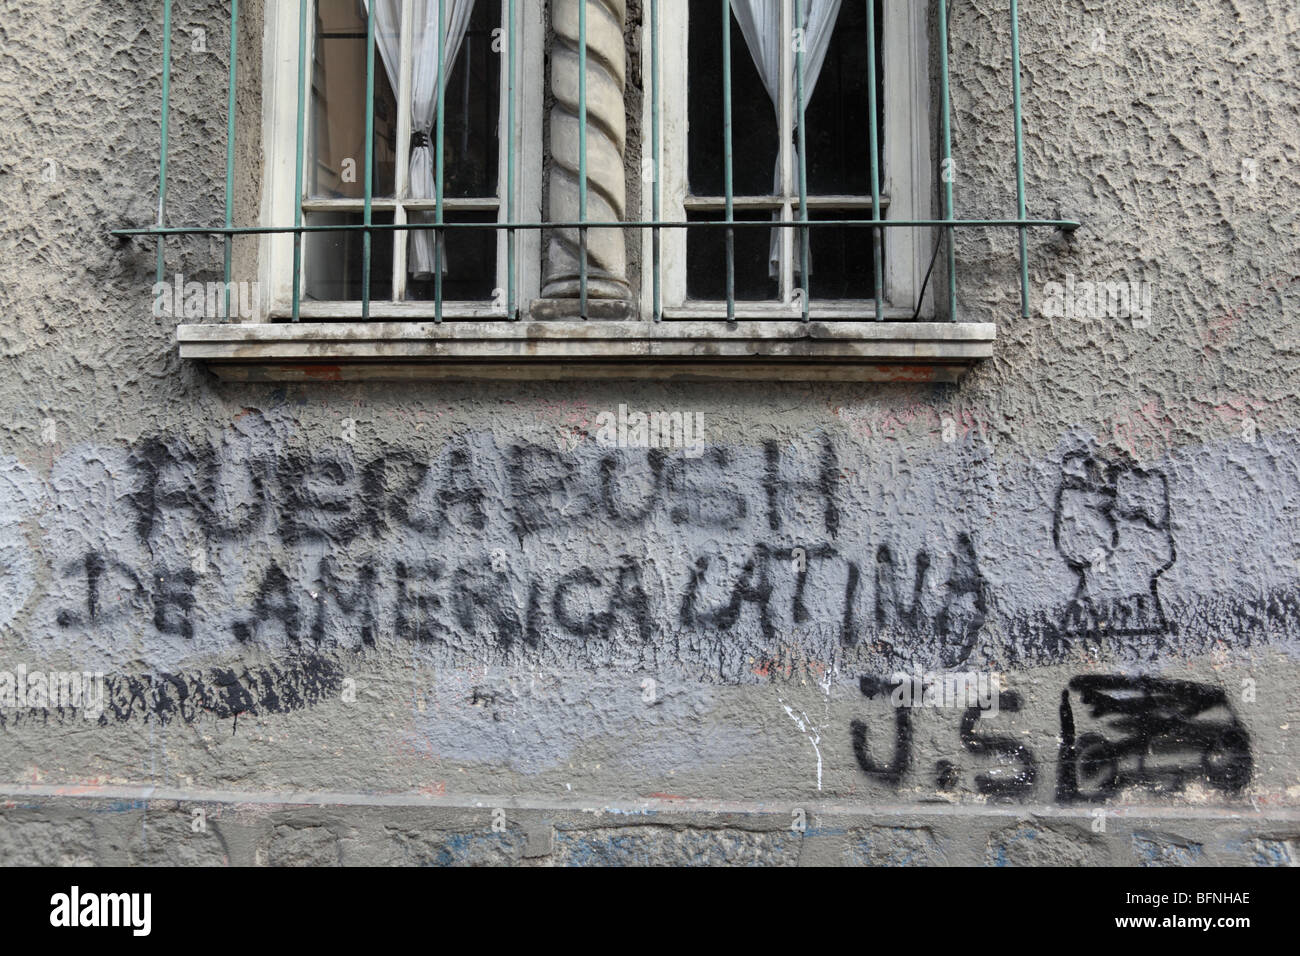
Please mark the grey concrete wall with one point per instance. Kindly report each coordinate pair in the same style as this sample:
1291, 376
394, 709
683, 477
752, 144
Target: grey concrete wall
358, 643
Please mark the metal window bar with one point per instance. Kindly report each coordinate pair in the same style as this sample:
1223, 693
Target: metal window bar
801, 26
402, 172
369, 211
873, 135
583, 265
439, 160
230, 148
877, 225
512, 235
728, 160
298, 160
785, 126
947, 171
656, 161
166, 113
1067, 224
1020, 157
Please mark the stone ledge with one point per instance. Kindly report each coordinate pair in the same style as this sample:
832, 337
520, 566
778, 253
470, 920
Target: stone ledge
686, 350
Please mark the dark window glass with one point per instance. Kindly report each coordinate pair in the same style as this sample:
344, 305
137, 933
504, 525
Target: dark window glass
841, 260
335, 260
837, 113
706, 253
755, 130
838, 131
473, 124
471, 257
838, 144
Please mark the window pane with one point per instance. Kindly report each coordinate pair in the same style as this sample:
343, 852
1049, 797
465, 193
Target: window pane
840, 257
334, 260
337, 163
837, 113
706, 257
472, 129
838, 131
838, 148
755, 131
469, 273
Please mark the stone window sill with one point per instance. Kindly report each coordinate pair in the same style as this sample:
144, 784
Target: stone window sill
552, 350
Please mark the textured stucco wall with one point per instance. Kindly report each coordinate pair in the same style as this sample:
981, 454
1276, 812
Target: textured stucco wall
351, 643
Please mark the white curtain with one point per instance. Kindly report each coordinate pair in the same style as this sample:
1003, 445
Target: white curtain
424, 94
764, 31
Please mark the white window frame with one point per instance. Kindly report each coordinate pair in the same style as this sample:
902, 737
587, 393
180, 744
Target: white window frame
905, 175
279, 133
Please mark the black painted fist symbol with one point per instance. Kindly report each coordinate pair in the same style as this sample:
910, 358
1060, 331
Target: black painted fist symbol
1112, 527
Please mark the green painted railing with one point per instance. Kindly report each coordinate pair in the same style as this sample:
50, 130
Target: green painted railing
947, 224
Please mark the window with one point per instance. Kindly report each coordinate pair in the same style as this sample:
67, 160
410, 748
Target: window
829, 60
476, 273
778, 257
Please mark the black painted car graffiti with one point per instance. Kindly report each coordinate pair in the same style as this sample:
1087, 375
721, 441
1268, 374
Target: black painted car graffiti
1151, 732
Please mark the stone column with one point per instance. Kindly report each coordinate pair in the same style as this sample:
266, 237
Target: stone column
606, 144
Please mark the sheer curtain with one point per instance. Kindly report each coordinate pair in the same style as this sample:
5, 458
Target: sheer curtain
424, 92
764, 30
